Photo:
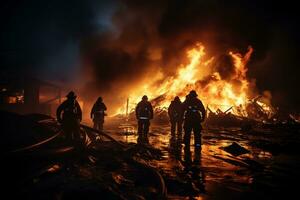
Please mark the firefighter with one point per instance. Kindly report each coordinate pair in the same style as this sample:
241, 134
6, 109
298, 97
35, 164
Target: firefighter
194, 115
98, 113
69, 115
144, 113
176, 116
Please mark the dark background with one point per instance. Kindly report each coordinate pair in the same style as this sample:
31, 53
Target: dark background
53, 40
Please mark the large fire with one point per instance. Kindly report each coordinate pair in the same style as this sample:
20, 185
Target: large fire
199, 74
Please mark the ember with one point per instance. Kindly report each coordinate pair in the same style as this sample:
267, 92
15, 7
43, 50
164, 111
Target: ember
235, 93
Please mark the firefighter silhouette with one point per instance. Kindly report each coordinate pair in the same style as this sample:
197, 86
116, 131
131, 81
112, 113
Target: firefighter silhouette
175, 113
98, 114
69, 115
194, 115
144, 113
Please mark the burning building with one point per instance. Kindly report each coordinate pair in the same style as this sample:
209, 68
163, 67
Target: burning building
29, 95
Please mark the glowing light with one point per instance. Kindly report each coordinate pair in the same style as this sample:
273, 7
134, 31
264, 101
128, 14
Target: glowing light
217, 93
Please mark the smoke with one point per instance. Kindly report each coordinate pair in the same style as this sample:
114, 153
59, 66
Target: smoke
112, 46
42, 38
152, 37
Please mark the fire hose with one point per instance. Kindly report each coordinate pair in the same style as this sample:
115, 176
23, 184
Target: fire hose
58, 133
162, 191
103, 134
39, 143
158, 177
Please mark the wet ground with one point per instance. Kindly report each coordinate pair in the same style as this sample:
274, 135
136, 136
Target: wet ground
267, 168
259, 162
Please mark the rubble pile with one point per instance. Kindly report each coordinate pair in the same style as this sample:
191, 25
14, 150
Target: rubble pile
254, 113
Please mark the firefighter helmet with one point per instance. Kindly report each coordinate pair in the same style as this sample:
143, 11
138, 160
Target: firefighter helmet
193, 93
71, 95
99, 99
145, 98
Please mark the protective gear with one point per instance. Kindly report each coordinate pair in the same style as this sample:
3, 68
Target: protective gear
194, 110
144, 113
143, 118
193, 93
99, 99
175, 112
144, 110
145, 98
69, 115
98, 113
188, 157
177, 99
71, 95
194, 114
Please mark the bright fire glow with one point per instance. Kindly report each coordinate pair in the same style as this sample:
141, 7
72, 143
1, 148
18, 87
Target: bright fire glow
199, 75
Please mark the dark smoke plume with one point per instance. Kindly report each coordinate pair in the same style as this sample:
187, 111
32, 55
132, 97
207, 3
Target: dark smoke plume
111, 46
154, 35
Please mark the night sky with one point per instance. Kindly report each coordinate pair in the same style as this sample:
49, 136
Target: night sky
61, 40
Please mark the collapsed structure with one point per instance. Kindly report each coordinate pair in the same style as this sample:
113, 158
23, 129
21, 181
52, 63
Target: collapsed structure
222, 84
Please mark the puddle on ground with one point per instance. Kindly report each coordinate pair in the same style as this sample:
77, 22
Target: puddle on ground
218, 168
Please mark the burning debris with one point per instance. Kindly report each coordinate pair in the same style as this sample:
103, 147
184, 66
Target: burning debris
223, 138
120, 170
218, 87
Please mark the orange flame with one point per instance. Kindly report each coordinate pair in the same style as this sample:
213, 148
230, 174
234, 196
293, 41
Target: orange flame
215, 93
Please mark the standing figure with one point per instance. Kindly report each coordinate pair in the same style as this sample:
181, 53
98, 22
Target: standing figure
144, 113
98, 113
176, 116
69, 115
194, 115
